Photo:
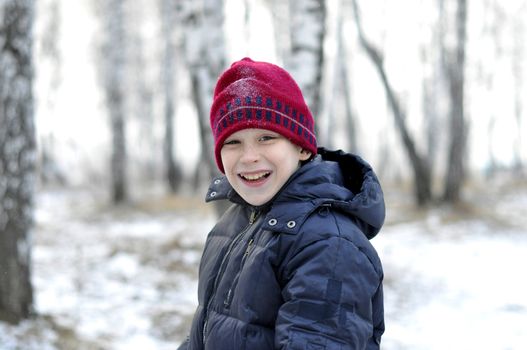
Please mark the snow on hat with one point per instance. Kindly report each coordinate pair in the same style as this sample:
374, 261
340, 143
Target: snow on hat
260, 95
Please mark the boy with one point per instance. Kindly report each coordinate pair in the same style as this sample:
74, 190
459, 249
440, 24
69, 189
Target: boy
289, 265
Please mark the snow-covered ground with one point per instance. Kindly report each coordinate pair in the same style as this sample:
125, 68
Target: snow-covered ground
125, 278
456, 280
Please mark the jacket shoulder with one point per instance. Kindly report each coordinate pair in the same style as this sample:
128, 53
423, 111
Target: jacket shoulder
328, 226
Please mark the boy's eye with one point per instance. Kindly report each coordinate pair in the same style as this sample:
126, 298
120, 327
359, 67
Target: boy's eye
231, 142
267, 138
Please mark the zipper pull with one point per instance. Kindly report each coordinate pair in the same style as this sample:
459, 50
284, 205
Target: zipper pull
249, 246
252, 218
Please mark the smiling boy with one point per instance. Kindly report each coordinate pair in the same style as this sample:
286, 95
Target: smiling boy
258, 162
289, 265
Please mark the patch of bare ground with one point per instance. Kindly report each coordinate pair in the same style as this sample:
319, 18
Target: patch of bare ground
498, 203
45, 328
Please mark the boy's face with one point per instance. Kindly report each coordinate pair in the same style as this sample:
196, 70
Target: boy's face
258, 162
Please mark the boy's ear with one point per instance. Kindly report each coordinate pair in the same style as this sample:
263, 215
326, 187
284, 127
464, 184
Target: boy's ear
305, 154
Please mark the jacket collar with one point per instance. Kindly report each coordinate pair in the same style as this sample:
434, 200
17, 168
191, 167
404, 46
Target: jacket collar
334, 179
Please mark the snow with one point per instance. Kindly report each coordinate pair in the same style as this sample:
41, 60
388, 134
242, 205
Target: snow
120, 278
460, 291
454, 279
126, 278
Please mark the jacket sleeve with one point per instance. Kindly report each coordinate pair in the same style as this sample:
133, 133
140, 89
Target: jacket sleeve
332, 299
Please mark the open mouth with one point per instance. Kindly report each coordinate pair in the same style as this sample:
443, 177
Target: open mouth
255, 177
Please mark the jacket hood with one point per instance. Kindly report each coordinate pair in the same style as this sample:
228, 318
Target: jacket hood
333, 179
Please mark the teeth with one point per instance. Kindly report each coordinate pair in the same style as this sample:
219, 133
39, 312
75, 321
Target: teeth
253, 177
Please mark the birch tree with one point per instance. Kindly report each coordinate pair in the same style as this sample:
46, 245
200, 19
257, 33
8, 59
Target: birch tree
433, 94
337, 110
139, 104
112, 67
205, 58
343, 76
168, 22
17, 159
51, 56
306, 57
492, 30
518, 69
458, 129
282, 36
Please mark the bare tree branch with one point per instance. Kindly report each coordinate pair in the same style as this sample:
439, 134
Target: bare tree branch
422, 176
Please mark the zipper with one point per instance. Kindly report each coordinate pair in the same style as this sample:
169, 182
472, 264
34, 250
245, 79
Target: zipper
221, 271
248, 250
228, 299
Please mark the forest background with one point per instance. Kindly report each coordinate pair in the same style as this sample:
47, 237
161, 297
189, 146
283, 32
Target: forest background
106, 155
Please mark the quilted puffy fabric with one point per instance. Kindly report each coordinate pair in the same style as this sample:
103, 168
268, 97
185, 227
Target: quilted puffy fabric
300, 272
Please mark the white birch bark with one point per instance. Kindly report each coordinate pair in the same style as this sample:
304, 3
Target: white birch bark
168, 22
305, 63
205, 58
518, 72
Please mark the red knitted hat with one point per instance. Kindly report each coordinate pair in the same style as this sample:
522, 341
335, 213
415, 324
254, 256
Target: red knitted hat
260, 95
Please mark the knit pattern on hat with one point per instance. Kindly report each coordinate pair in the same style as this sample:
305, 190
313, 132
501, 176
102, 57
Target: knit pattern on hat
260, 95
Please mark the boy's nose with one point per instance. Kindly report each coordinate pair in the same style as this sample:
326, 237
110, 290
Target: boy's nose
250, 154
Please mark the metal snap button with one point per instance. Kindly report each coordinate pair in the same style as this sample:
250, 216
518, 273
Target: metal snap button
272, 222
291, 224
213, 194
217, 181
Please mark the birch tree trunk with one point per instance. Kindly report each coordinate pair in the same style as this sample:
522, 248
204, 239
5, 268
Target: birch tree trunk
168, 21
458, 128
493, 27
433, 93
50, 56
17, 159
518, 68
342, 69
338, 100
282, 36
113, 67
205, 56
351, 128
139, 103
419, 163
306, 59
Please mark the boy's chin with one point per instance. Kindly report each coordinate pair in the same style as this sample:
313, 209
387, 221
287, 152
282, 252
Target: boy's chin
256, 203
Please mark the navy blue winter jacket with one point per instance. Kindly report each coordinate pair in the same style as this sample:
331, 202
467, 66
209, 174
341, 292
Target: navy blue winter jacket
300, 272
